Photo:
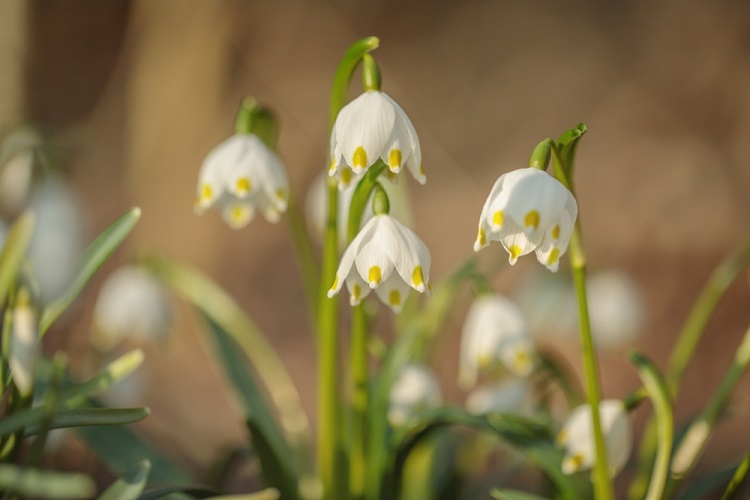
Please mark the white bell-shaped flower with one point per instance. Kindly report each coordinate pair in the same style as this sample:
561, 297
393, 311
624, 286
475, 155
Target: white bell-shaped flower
242, 175
385, 256
511, 395
415, 389
528, 210
577, 437
24, 345
495, 334
371, 127
131, 304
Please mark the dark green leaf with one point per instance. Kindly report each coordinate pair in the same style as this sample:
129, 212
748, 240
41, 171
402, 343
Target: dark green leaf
129, 486
503, 494
44, 484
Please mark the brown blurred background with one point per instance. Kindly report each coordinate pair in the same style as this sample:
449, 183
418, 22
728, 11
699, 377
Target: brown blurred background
142, 90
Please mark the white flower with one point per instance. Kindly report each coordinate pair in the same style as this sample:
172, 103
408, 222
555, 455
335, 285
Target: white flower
616, 308
528, 210
241, 175
494, 334
385, 256
371, 127
131, 304
24, 346
577, 437
416, 389
506, 396
17, 157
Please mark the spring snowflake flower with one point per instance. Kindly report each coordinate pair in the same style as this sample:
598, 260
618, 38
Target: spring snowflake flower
577, 437
388, 257
242, 175
24, 345
371, 127
416, 389
495, 334
506, 396
131, 304
528, 210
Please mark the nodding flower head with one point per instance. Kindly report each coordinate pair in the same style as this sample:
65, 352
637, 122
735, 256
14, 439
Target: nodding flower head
528, 211
415, 389
242, 175
371, 127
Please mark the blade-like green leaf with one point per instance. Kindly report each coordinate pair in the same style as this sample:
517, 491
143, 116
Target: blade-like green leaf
129, 486
31, 418
13, 251
268, 494
43, 484
504, 494
91, 260
276, 459
109, 375
181, 491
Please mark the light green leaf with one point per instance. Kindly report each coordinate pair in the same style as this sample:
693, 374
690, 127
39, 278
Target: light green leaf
129, 486
44, 484
14, 251
90, 262
111, 374
504, 494
269, 494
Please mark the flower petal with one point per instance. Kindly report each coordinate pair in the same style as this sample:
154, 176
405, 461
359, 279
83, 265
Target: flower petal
393, 292
362, 129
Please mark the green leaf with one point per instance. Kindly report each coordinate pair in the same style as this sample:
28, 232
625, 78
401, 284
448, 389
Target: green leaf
191, 491
85, 417
567, 144
504, 494
14, 251
276, 459
268, 494
350, 61
44, 484
129, 486
112, 373
90, 262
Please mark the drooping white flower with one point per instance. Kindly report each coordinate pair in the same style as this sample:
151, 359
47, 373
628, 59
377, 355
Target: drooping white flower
242, 175
131, 304
24, 345
577, 437
495, 334
616, 308
316, 206
385, 256
415, 389
505, 396
528, 210
371, 127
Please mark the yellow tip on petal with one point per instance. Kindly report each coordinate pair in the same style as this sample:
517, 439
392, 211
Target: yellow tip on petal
346, 176
334, 287
374, 276
394, 298
243, 186
481, 240
417, 279
394, 160
332, 168
281, 195
515, 252
522, 362
356, 295
497, 218
572, 463
554, 255
532, 219
239, 215
562, 438
421, 170
206, 195
359, 159
556, 231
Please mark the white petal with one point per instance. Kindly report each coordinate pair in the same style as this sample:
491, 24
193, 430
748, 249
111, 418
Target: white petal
372, 260
515, 241
410, 256
244, 162
398, 148
347, 259
358, 288
415, 389
365, 123
535, 199
237, 213
555, 242
24, 348
393, 292
416, 150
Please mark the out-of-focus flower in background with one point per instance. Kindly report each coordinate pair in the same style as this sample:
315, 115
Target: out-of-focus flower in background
24, 344
511, 395
242, 175
577, 437
415, 389
18, 154
495, 334
528, 211
133, 305
371, 127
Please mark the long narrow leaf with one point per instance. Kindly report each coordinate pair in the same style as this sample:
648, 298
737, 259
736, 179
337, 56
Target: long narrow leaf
91, 260
31, 418
13, 252
43, 484
505, 494
129, 486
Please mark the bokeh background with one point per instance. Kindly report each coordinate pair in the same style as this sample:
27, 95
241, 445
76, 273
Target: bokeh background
137, 92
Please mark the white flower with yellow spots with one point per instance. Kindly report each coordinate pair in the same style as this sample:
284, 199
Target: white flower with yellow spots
385, 256
577, 437
416, 389
495, 334
528, 210
371, 127
242, 175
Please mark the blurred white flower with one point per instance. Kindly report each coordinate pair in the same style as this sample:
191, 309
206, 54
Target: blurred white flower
494, 334
506, 396
415, 389
316, 206
24, 345
528, 210
371, 127
577, 437
242, 175
385, 256
616, 308
58, 240
17, 153
131, 304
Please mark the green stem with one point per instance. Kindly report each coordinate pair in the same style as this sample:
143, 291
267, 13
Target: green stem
330, 431
658, 391
737, 479
694, 442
